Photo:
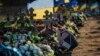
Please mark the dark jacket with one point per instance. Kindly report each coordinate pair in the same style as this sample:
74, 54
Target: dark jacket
67, 37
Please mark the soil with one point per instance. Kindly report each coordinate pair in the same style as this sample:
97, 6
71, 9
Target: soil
89, 38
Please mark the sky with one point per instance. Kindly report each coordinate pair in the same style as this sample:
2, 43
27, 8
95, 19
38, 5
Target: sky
41, 4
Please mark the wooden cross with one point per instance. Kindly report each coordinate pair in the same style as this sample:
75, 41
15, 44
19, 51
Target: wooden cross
8, 19
31, 10
46, 14
51, 15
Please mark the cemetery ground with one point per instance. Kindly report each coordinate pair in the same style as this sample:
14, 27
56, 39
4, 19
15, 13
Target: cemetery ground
89, 38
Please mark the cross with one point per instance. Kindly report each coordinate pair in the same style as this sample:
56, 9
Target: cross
8, 19
31, 10
46, 16
51, 15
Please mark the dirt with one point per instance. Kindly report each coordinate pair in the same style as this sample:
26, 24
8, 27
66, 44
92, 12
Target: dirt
89, 39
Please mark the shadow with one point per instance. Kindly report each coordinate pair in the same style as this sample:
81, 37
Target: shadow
93, 32
92, 45
97, 54
98, 28
98, 22
90, 50
98, 49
